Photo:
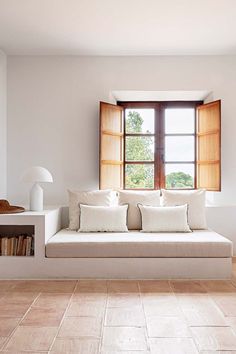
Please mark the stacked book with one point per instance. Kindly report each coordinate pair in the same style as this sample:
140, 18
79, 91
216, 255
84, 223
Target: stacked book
21, 245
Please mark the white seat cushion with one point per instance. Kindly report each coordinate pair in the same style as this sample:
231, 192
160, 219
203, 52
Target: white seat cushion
200, 243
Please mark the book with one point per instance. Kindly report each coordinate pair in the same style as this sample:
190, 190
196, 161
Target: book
24, 247
28, 245
20, 245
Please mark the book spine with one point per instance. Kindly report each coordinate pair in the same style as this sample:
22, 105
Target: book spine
28, 246
24, 246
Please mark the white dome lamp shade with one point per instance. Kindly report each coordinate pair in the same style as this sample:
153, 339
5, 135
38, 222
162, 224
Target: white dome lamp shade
36, 175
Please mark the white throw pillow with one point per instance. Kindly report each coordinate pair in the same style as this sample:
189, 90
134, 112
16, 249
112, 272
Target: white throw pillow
96, 197
164, 219
196, 205
133, 198
103, 219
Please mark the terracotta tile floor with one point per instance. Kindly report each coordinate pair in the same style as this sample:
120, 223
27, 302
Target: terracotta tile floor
111, 317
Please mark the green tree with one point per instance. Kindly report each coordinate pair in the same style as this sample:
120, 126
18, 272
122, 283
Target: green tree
179, 180
138, 149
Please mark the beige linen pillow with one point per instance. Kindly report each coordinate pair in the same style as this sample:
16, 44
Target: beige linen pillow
96, 197
164, 219
103, 218
133, 198
196, 205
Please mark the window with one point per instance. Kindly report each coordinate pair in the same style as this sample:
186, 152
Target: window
159, 145
153, 145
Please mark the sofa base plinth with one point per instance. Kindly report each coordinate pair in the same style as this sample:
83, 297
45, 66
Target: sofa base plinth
116, 268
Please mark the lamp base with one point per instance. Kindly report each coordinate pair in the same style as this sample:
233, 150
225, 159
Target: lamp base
36, 198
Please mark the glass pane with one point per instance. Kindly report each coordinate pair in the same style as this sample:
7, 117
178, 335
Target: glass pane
179, 148
139, 148
179, 120
139, 176
179, 176
139, 121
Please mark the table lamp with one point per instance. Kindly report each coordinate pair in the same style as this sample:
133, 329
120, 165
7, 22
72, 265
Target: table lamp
36, 175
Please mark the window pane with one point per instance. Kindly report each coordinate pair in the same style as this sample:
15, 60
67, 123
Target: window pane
179, 148
139, 121
139, 176
139, 148
179, 120
179, 176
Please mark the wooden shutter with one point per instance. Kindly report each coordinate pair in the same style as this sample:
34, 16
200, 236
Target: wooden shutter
208, 146
111, 146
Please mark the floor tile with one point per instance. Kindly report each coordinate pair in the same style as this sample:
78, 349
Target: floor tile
123, 300
23, 352
80, 326
43, 317
154, 286
2, 341
59, 286
125, 352
231, 321
52, 300
75, 345
7, 325
122, 286
91, 309
218, 286
172, 346
31, 338
194, 301
214, 338
28, 286
200, 310
218, 352
19, 298
95, 298
49, 286
161, 305
166, 327
204, 318
91, 286
187, 286
124, 339
130, 316
6, 285
13, 310
226, 303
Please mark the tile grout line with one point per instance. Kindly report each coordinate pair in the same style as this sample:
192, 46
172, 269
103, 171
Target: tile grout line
103, 320
146, 328
63, 317
181, 310
22, 319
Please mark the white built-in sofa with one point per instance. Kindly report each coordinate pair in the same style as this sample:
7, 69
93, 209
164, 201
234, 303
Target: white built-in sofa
202, 254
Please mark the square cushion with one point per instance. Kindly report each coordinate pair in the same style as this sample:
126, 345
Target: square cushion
133, 198
96, 197
196, 205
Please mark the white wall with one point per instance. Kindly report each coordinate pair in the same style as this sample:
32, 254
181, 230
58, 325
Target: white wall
53, 112
3, 125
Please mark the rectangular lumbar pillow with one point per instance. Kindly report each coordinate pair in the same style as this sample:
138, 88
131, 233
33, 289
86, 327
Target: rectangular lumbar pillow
196, 205
103, 219
133, 198
96, 197
164, 219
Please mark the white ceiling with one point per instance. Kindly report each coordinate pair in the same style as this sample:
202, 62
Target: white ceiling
118, 27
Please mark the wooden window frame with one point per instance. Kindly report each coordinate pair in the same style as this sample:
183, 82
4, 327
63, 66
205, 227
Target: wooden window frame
159, 136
